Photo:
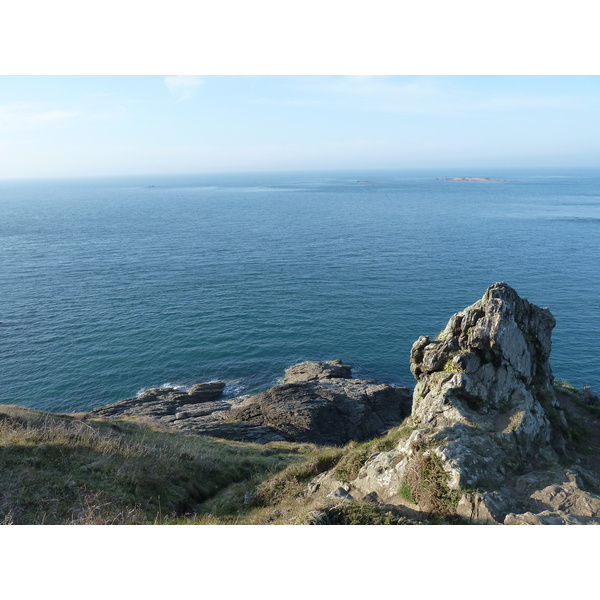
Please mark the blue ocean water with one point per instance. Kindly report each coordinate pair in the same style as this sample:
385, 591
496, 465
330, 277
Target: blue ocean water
110, 286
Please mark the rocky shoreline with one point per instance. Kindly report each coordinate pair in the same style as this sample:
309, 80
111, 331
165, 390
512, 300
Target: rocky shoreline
501, 441
318, 402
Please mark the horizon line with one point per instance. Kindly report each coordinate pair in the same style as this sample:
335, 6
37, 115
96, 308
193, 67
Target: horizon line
304, 170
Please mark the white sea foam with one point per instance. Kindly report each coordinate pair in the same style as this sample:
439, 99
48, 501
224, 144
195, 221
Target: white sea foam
180, 387
234, 388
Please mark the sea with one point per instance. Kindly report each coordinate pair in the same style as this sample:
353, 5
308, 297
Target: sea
111, 286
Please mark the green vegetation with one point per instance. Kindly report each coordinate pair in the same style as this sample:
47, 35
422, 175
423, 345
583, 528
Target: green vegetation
450, 367
573, 427
60, 469
562, 385
406, 494
284, 498
356, 454
69, 469
66, 469
291, 483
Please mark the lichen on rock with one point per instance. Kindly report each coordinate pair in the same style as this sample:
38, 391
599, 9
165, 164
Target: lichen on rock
485, 413
490, 406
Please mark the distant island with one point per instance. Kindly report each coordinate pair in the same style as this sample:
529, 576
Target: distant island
485, 179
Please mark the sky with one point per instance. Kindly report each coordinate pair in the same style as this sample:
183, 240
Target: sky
95, 125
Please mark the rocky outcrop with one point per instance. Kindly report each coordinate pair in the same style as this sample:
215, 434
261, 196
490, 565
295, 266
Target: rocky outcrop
164, 402
484, 385
202, 410
317, 371
326, 410
489, 431
318, 403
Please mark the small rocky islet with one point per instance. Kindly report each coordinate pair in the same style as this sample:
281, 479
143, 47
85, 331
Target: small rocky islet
489, 435
480, 179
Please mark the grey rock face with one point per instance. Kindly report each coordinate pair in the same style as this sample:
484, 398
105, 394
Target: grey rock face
165, 402
328, 411
205, 392
486, 416
340, 494
487, 508
485, 383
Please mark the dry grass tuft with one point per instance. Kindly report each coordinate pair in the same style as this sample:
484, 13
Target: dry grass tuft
426, 484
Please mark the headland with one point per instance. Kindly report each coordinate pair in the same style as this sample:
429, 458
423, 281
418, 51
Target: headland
487, 436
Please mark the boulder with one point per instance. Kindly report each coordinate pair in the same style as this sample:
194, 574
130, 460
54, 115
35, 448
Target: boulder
205, 392
327, 411
316, 371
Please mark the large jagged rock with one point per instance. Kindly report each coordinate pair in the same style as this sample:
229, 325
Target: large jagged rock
319, 403
485, 385
489, 432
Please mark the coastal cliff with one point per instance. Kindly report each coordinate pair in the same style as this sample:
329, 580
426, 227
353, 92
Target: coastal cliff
487, 436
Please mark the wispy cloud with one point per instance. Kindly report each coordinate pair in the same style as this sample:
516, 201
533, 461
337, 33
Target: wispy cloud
431, 96
183, 87
19, 116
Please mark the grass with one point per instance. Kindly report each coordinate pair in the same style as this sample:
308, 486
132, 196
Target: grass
564, 386
282, 498
357, 513
356, 454
66, 469
291, 482
426, 484
450, 367
58, 469
405, 492
61, 469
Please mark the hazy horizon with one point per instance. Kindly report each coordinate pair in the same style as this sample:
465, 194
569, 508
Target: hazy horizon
96, 126
437, 171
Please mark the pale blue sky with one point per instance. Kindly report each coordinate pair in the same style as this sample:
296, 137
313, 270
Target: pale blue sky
119, 125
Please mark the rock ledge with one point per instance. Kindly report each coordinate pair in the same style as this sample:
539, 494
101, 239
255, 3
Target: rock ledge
318, 402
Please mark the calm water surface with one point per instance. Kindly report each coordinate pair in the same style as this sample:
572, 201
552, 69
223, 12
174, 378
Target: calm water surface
111, 286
